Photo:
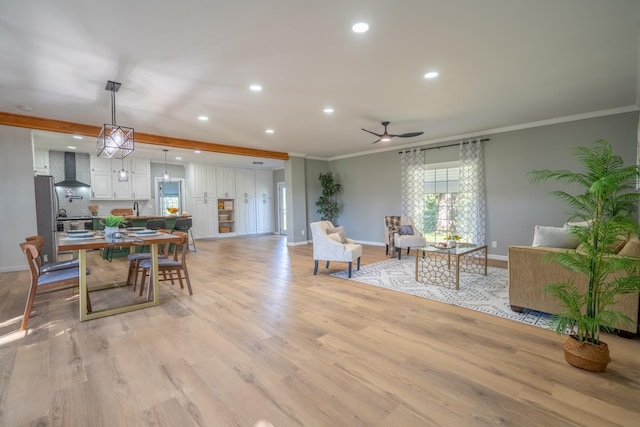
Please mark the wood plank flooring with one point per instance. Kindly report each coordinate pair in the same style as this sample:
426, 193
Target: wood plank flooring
262, 338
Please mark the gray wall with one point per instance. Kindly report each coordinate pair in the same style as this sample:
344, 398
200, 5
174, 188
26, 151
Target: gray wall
18, 206
313, 168
372, 183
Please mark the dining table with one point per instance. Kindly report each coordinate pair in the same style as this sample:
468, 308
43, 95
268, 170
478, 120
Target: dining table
79, 244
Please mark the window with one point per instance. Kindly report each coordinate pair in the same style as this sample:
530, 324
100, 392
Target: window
441, 187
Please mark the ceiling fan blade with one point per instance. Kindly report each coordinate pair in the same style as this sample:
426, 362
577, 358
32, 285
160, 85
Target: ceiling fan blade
409, 135
377, 140
376, 134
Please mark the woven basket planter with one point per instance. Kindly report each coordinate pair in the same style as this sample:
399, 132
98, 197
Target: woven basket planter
584, 355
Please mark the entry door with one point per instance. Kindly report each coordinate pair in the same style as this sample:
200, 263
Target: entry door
282, 208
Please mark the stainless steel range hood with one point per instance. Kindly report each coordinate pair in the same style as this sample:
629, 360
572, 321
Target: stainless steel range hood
70, 172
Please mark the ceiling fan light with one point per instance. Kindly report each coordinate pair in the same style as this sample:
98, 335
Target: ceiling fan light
385, 138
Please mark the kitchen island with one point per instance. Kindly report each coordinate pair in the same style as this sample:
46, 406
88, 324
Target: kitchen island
136, 221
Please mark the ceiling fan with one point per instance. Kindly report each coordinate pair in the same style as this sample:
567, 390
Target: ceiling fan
386, 137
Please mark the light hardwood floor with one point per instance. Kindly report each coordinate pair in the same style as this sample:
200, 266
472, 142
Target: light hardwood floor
263, 338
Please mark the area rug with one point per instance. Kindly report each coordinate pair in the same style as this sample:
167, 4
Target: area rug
488, 294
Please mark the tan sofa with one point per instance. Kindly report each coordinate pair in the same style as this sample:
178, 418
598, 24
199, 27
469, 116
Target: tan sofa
528, 277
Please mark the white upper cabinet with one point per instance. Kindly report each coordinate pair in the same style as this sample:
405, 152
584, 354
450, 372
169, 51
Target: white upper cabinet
106, 186
245, 184
100, 164
226, 182
41, 162
202, 180
264, 184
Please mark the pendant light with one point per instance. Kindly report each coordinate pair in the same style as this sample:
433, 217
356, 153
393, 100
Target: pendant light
165, 176
123, 175
114, 139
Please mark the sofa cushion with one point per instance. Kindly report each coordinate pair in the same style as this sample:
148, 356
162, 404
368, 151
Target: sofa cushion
554, 237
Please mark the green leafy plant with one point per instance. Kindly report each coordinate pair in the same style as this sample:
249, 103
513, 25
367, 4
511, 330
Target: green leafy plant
606, 204
327, 204
113, 221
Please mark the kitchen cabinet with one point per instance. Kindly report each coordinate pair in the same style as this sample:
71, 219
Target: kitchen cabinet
245, 183
201, 180
41, 162
201, 199
205, 213
106, 186
264, 216
264, 184
245, 216
226, 182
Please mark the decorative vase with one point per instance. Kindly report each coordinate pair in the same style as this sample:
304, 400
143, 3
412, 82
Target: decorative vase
109, 231
585, 355
451, 243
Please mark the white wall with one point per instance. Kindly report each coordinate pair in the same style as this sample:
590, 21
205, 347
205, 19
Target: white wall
17, 196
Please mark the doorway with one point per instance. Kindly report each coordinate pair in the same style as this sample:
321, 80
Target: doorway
282, 208
169, 195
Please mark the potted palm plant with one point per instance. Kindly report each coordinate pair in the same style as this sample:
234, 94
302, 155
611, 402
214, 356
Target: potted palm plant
606, 204
327, 204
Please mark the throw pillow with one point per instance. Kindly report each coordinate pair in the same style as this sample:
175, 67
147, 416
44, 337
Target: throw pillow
340, 231
617, 245
577, 224
554, 237
406, 230
335, 236
631, 249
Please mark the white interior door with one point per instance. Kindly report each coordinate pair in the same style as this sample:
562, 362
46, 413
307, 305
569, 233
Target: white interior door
282, 208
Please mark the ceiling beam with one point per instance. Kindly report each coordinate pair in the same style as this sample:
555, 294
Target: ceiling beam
40, 123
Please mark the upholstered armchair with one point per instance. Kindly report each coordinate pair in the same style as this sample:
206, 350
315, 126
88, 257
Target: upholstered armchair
400, 233
331, 244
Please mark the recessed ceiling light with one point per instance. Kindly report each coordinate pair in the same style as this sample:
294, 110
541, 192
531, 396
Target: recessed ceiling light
360, 27
71, 147
25, 107
269, 131
431, 75
197, 151
328, 110
255, 88
178, 158
203, 118
77, 137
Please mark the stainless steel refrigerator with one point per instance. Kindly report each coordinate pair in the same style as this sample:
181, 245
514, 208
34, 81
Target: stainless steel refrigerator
47, 215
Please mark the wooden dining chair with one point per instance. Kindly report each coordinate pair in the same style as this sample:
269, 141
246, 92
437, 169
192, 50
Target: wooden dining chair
44, 283
48, 267
172, 268
137, 257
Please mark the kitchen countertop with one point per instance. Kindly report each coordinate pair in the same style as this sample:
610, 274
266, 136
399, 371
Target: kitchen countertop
143, 217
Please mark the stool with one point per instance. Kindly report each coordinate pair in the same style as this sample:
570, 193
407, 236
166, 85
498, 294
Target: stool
185, 224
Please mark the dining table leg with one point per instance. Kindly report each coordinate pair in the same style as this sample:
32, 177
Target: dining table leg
82, 284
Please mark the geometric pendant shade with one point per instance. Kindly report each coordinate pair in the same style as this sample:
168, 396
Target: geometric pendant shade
113, 140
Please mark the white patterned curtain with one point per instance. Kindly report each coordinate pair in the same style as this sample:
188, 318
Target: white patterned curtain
471, 196
412, 168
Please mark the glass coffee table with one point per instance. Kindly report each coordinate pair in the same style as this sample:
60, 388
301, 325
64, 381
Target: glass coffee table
442, 266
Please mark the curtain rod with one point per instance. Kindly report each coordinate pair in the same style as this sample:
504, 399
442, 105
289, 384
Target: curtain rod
444, 146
